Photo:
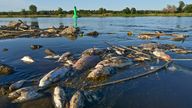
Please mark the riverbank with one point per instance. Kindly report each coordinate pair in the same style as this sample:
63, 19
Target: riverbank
104, 15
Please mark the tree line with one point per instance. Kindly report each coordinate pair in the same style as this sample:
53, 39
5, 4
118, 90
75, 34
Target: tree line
33, 10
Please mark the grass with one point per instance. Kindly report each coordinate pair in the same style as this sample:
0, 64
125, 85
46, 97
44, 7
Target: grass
104, 15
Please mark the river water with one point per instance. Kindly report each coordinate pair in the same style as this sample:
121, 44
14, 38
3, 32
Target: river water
162, 90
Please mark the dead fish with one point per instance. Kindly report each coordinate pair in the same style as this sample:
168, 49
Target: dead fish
101, 72
59, 97
144, 37
49, 52
34, 47
149, 46
86, 62
178, 37
141, 59
27, 59
16, 85
27, 95
52, 57
77, 100
53, 76
64, 57
92, 51
17, 93
181, 51
116, 62
161, 54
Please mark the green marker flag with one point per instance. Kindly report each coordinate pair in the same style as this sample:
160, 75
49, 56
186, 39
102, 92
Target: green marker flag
75, 17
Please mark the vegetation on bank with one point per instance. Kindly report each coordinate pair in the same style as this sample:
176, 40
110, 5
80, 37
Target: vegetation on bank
170, 10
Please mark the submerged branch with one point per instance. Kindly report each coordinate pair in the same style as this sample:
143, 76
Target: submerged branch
129, 78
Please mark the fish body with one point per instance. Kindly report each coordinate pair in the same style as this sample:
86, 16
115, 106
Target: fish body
116, 62
27, 59
16, 85
24, 94
161, 54
102, 71
53, 76
77, 100
64, 57
86, 62
59, 97
52, 57
27, 96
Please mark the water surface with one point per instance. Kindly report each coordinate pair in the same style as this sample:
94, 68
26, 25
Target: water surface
162, 90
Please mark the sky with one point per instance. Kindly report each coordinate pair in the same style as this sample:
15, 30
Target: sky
17, 5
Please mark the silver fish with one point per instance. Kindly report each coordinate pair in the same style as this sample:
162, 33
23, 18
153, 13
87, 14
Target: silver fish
52, 57
17, 93
92, 51
77, 100
24, 94
64, 57
86, 62
101, 72
16, 85
59, 97
53, 76
116, 62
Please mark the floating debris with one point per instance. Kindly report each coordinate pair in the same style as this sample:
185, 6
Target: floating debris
5, 69
129, 33
69, 31
94, 33
27, 59
5, 49
147, 37
34, 47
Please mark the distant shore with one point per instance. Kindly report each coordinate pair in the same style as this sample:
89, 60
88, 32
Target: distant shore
104, 15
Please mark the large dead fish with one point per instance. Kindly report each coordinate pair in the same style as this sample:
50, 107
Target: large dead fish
77, 100
24, 94
59, 97
86, 62
117, 62
92, 51
161, 54
16, 85
107, 67
101, 72
53, 76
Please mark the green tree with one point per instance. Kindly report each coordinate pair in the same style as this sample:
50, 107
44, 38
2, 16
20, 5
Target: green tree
126, 10
133, 11
102, 10
33, 9
188, 8
23, 12
170, 9
60, 11
181, 6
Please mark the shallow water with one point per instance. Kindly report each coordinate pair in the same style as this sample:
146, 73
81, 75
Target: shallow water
162, 90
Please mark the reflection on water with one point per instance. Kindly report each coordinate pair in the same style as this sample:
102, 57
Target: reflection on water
34, 23
163, 90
